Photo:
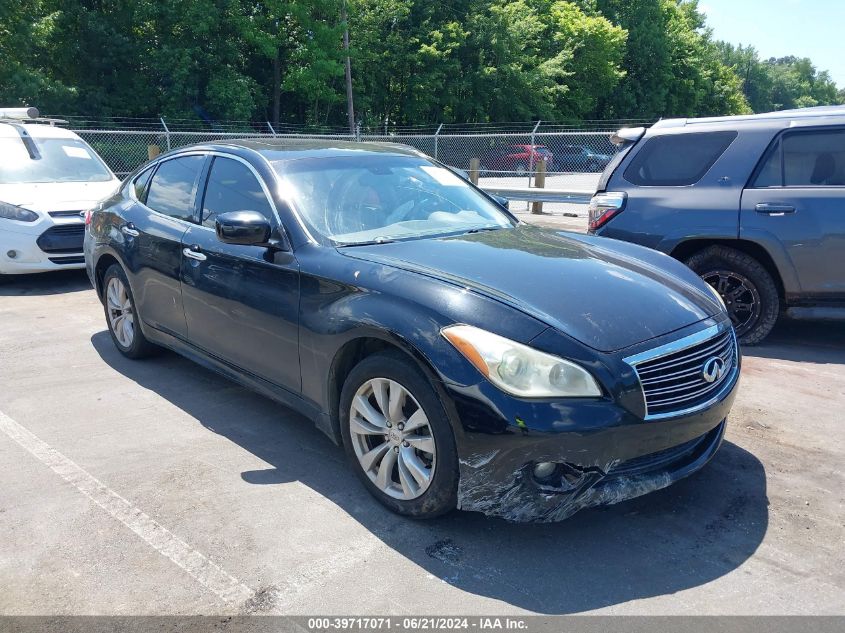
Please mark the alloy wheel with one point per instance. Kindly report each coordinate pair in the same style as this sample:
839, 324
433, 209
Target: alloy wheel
121, 315
741, 298
392, 438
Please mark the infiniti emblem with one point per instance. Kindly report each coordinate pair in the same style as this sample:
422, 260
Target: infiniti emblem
713, 369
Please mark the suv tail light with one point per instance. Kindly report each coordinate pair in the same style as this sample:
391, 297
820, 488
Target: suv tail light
604, 206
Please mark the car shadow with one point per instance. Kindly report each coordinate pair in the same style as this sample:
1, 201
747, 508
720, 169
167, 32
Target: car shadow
43, 284
696, 531
804, 342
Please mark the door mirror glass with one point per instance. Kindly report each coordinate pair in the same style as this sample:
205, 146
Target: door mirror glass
242, 227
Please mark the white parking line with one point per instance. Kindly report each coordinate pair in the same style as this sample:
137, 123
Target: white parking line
204, 571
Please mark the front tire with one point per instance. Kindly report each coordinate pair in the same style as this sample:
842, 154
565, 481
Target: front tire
397, 436
746, 287
122, 316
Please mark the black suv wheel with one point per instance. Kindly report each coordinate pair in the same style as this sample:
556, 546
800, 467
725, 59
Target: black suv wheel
746, 287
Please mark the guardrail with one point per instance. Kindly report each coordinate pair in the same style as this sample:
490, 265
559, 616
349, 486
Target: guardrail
537, 194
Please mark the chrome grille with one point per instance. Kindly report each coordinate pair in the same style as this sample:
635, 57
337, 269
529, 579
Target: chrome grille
673, 378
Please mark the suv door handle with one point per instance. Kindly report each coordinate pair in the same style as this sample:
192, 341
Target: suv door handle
774, 208
194, 253
130, 230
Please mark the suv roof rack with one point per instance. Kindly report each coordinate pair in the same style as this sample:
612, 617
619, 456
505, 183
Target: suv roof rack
797, 113
18, 116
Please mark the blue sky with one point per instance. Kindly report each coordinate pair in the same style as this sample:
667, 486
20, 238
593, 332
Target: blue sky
776, 28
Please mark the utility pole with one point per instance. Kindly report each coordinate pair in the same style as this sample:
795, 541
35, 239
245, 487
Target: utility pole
350, 108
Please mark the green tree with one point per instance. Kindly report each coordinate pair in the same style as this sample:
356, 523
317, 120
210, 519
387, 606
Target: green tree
25, 65
776, 84
673, 68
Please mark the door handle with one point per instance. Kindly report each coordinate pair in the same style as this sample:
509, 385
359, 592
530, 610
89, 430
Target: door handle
194, 254
771, 208
130, 230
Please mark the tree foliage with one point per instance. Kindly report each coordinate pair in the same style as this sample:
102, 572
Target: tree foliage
779, 83
414, 61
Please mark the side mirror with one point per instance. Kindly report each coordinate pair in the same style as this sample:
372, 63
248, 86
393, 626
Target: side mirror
243, 227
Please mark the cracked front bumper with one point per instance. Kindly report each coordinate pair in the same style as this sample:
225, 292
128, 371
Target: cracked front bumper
606, 453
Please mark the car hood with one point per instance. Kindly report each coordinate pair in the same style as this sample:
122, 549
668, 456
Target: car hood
57, 196
605, 294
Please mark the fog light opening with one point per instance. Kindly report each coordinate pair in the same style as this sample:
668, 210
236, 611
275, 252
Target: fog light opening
11, 254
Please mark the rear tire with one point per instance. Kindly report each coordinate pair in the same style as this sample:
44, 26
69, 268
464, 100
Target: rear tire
383, 452
748, 290
122, 316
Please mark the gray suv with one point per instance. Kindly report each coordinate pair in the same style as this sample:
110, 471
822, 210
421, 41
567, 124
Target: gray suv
754, 204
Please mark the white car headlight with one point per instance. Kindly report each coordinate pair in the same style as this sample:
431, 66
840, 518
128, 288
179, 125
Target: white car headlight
518, 369
716, 294
14, 212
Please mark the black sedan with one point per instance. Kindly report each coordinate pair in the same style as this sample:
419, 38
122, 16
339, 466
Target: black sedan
462, 358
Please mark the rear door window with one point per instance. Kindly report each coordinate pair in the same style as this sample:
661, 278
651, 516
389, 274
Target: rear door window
677, 160
814, 159
804, 159
174, 187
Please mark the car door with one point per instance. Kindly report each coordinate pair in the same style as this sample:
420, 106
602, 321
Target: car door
241, 302
797, 199
152, 231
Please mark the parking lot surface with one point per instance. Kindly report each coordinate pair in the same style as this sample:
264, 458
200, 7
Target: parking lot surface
157, 487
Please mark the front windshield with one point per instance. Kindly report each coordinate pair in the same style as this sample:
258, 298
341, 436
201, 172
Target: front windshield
57, 160
364, 199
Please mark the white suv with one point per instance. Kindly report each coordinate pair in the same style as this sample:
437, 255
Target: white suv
48, 176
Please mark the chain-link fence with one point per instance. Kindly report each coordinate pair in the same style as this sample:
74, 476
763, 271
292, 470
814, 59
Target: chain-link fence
505, 155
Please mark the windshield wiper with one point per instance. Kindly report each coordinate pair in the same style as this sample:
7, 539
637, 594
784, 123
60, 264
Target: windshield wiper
378, 240
485, 228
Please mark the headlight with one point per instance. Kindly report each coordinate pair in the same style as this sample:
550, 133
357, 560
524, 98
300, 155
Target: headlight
518, 369
716, 294
13, 212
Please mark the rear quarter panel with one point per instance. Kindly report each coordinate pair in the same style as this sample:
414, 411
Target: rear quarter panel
662, 217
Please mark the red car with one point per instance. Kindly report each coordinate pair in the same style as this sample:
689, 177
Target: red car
519, 159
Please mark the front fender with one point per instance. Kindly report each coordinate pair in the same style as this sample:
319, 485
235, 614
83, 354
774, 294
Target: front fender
356, 300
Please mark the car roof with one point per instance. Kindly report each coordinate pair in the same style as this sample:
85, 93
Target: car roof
818, 115
287, 149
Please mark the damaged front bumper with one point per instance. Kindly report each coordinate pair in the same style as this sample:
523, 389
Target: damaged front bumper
603, 454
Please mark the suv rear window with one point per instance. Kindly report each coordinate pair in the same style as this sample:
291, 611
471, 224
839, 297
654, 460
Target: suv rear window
678, 159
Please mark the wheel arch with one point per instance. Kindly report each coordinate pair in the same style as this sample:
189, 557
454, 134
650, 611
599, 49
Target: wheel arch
686, 249
105, 261
365, 344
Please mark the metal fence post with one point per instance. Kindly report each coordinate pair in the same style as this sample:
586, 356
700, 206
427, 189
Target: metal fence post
531, 155
358, 131
436, 135
272, 131
166, 132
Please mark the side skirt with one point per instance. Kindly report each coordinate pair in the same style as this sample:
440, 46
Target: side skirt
321, 419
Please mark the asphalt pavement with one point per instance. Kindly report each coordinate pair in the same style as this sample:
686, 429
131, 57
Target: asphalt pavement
158, 487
